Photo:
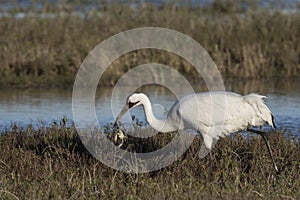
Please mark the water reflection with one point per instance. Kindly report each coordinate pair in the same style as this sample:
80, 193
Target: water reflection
25, 106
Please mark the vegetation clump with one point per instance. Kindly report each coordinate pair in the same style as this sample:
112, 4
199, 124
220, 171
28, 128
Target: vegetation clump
53, 163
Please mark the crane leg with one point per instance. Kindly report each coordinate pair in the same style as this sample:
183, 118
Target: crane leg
262, 134
204, 152
211, 161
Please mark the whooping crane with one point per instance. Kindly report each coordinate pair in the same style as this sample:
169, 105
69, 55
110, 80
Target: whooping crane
195, 112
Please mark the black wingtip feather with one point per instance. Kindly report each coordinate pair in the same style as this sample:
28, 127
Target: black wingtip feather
273, 121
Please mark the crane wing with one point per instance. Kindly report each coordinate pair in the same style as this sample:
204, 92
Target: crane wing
217, 114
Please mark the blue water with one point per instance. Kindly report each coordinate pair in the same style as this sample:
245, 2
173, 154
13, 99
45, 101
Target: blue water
91, 4
46, 106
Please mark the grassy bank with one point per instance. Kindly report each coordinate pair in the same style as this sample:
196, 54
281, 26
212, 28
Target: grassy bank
47, 51
53, 163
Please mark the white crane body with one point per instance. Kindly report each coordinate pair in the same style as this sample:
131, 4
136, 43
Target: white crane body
217, 114
212, 114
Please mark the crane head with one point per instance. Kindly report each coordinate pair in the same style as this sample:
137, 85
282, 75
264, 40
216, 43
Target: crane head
134, 100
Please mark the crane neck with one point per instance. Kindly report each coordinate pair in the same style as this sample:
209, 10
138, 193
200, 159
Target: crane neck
161, 125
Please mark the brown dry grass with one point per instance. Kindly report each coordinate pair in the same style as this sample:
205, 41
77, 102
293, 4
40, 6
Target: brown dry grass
251, 43
53, 163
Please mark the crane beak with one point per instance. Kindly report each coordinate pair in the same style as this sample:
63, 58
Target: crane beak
123, 111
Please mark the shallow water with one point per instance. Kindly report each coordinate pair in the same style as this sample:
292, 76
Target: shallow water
36, 106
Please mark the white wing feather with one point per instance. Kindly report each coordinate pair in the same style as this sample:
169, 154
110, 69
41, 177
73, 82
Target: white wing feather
220, 113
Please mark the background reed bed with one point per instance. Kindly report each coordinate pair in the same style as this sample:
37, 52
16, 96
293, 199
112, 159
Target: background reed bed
46, 46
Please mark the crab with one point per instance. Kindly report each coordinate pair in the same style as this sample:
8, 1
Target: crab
119, 135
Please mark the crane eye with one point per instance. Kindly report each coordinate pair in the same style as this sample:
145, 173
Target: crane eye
131, 104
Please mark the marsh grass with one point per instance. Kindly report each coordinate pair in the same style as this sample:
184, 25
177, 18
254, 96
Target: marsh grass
53, 163
47, 51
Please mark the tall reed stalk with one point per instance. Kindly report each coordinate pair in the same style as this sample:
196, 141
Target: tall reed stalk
47, 45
